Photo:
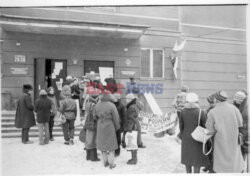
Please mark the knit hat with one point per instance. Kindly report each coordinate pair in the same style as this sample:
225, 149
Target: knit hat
192, 97
239, 97
211, 98
184, 88
221, 95
130, 97
42, 92
27, 86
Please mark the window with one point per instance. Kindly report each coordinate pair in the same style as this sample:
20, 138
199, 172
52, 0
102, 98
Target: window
152, 63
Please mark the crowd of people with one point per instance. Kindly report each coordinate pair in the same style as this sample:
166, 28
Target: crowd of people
227, 124
106, 120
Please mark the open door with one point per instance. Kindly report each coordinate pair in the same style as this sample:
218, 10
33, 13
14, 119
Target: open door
40, 81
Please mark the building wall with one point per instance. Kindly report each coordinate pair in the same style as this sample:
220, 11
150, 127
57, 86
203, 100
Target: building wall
214, 57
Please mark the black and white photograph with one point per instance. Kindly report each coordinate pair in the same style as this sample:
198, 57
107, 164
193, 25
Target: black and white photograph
147, 88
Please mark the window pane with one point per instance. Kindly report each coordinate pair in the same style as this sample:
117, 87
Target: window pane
157, 63
145, 63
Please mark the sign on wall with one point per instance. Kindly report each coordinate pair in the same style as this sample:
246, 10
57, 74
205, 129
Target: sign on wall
20, 59
19, 71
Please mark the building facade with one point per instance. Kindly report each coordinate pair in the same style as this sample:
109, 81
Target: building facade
41, 46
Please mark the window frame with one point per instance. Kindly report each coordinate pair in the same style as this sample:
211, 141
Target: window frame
151, 62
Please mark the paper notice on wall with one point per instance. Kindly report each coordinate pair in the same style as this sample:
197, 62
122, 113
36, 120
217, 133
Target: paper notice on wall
53, 76
58, 68
105, 72
59, 84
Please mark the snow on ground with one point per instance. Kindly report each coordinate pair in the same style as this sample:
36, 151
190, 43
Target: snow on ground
161, 156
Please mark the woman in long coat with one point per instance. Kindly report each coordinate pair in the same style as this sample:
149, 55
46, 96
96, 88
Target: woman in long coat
224, 121
107, 125
24, 114
191, 150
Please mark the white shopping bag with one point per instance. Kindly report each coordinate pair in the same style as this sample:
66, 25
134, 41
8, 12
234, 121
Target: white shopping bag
131, 140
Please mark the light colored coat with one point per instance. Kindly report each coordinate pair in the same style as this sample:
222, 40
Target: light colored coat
224, 121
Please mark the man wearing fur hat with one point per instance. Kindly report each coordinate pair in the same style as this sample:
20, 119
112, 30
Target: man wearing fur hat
24, 114
224, 121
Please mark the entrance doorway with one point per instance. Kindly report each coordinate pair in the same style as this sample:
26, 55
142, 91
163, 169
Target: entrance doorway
49, 72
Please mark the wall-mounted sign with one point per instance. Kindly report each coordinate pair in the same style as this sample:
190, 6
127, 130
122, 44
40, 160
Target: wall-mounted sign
128, 72
19, 59
128, 62
241, 76
19, 71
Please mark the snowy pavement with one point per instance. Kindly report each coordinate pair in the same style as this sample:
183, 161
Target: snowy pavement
161, 156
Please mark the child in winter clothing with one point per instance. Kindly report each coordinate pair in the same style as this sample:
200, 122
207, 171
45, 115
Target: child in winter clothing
68, 109
90, 125
53, 112
42, 108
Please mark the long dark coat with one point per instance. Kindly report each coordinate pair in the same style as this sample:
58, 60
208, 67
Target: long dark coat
43, 107
24, 113
107, 124
191, 150
122, 115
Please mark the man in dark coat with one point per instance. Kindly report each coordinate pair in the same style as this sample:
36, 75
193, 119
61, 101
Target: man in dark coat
111, 84
24, 114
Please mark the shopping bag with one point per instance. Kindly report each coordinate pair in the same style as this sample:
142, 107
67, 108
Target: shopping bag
59, 119
78, 118
131, 140
82, 135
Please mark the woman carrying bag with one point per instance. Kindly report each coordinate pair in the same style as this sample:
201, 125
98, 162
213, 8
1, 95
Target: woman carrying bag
192, 150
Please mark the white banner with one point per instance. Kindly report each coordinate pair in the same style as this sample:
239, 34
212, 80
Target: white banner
152, 123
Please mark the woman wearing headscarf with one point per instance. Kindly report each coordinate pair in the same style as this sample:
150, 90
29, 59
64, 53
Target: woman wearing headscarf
107, 124
191, 150
24, 113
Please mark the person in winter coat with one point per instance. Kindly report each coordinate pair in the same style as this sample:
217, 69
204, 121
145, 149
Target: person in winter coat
68, 109
133, 108
90, 126
223, 122
191, 150
52, 98
24, 117
122, 119
43, 107
211, 101
240, 101
107, 124
111, 84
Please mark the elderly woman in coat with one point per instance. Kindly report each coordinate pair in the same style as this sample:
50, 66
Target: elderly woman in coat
191, 150
224, 121
24, 114
107, 124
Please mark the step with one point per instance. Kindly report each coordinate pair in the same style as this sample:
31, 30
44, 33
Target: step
35, 134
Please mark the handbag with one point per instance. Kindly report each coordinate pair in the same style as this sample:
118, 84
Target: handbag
82, 135
59, 119
200, 134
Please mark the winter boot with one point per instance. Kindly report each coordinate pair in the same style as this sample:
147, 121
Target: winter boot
134, 158
129, 161
95, 154
87, 154
117, 152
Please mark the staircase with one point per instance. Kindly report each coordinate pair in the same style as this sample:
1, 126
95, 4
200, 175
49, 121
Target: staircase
10, 131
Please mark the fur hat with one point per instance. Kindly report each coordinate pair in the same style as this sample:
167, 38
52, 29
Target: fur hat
42, 92
184, 88
221, 95
192, 97
69, 77
239, 97
27, 87
211, 98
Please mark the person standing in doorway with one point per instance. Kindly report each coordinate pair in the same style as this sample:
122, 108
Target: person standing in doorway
24, 117
43, 108
224, 121
52, 97
68, 109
